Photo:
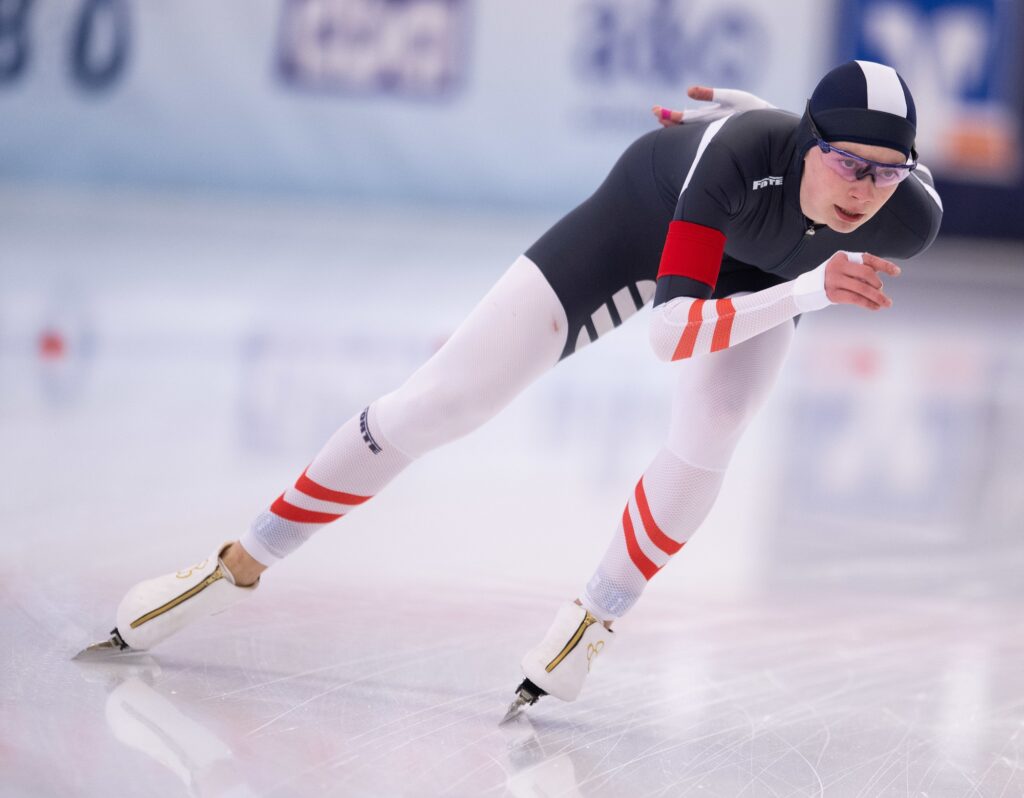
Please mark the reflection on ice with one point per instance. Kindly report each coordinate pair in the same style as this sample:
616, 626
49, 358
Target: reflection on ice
325, 690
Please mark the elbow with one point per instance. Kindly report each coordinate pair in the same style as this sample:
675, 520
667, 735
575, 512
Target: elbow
662, 337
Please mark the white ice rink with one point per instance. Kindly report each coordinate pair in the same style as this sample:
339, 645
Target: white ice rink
847, 623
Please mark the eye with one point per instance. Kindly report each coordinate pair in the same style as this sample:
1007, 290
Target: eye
848, 163
888, 174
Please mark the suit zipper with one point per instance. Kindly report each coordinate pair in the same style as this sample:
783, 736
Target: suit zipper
808, 232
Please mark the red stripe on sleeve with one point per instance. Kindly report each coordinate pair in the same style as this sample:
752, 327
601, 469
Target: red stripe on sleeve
689, 337
305, 485
694, 251
723, 327
290, 512
658, 538
640, 560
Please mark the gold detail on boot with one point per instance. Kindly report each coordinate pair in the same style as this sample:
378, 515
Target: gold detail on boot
174, 602
186, 573
587, 622
593, 649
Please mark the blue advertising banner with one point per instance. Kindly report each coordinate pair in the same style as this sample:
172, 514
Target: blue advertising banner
964, 63
959, 57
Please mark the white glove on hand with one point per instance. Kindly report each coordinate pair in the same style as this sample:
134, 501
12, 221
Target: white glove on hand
723, 102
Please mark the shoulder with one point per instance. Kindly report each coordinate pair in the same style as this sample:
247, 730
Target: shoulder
765, 124
912, 216
757, 137
734, 155
746, 146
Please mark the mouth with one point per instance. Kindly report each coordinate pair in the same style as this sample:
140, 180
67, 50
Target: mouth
847, 216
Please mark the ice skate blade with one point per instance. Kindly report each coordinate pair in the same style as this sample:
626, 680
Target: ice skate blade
515, 709
527, 694
101, 651
111, 647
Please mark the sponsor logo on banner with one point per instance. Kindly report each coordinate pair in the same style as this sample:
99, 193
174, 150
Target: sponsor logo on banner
402, 47
628, 46
959, 58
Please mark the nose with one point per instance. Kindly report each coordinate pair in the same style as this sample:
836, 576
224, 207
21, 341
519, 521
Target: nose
863, 190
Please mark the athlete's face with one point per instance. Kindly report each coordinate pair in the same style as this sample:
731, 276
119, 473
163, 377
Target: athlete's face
828, 198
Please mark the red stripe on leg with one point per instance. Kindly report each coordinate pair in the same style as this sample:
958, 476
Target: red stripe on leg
658, 538
723, 327
689, 337
640, 560
305, 485
290, 512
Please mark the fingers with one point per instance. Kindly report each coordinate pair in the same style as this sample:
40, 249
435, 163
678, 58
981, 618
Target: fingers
845, 297
863, 294
851, 282
881, 264
666, 116
864, 273
849, 264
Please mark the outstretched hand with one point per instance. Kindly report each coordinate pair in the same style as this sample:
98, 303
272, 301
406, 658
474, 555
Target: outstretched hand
851, 282
724, 102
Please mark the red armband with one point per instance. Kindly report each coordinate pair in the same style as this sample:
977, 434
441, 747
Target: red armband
693, 251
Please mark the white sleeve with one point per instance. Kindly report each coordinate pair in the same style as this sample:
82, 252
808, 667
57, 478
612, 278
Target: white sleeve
684, 327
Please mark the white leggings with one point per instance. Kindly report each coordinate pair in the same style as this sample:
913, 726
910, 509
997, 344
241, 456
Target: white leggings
714, 399
516, 333
513, 335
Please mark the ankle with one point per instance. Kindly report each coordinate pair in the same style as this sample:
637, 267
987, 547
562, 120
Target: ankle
244, 570
607, 624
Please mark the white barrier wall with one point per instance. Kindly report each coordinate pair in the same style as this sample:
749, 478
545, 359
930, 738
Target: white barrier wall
441, 99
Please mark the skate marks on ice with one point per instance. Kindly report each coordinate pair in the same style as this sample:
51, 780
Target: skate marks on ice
328, 692
808, 712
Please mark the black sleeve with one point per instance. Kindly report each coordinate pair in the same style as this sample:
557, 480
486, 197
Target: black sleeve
672, 285
712, 198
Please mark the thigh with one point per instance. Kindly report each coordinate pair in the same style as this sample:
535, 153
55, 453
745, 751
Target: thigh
513, 335
602, 258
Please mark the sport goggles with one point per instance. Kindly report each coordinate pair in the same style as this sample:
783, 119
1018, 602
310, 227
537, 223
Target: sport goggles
852, 167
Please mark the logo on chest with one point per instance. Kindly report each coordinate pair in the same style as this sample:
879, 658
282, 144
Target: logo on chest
771, 180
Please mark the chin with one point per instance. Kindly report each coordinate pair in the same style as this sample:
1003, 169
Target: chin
837, 226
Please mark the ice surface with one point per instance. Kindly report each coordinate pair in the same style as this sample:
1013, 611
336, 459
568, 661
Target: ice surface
848, 622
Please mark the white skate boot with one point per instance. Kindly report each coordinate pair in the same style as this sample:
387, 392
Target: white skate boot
559, 664
153, 610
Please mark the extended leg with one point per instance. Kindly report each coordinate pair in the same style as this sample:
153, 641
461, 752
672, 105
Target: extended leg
515, 334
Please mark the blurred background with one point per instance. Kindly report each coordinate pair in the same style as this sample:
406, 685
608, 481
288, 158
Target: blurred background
226, 227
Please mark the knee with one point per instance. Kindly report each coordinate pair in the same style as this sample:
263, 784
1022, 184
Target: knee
707, 425
459, 408
426, 412
723, 409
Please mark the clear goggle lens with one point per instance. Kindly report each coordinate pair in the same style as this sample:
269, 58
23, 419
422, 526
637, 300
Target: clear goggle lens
852, 167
